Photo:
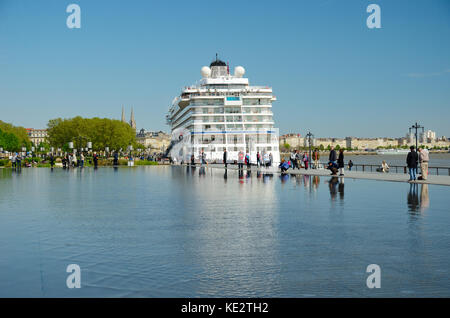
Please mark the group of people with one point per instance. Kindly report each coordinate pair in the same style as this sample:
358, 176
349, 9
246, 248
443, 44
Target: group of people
71, 160
413, 159
336, 162
298, 161
16, 161
265, 160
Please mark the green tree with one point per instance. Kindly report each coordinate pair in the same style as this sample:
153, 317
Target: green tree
13, 137
102, 132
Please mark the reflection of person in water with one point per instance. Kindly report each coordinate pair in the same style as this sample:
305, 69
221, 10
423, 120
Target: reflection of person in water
225, 175
424, 197
341, 188
413, 198
284, 177
306, 180
332, 185
316, 181
241, 176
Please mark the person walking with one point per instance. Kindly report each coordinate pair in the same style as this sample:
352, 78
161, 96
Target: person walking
411, 160
225, 157
424, 157
240, 160
297, 160
258, 159
332, 156
316, 157
341, 162
81, 160
350, 165
270, 159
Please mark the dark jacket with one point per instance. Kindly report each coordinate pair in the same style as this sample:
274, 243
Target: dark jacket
412, 159
224, 156
332, 156
340, 160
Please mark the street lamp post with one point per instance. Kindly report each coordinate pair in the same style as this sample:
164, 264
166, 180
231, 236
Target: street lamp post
416, 126
309, 135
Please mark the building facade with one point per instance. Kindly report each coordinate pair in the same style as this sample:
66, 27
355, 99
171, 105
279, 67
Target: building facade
37, 136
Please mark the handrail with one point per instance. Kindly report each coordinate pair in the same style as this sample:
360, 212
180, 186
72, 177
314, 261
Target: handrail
397, 168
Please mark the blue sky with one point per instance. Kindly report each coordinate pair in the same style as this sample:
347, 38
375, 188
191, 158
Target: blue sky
331, 74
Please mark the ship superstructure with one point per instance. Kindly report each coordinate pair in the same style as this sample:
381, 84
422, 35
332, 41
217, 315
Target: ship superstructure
222, 112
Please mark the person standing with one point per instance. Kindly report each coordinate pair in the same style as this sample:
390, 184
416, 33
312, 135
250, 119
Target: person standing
266, 159
297, 160
95, 160
316, 157
19, 161
116, 158
81, 160
341, 162
411, 161
203, 157
293, 159
305, 160
332, 156
13, 160
247, 160
258, 159
240, 159
424, 157
270, 159
384, 166
52, 161
225, 157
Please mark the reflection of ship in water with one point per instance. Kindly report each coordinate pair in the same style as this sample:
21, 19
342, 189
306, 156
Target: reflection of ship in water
416, 204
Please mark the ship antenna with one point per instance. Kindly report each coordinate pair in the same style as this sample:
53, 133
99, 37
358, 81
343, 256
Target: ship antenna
216, 56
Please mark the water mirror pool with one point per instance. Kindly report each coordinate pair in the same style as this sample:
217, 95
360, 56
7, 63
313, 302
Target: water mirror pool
191, 232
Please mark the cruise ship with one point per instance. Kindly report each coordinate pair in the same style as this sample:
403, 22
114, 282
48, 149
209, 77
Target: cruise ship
222, 111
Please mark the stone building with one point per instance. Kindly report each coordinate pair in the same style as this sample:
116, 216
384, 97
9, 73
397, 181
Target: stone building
37, 136
152, 140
